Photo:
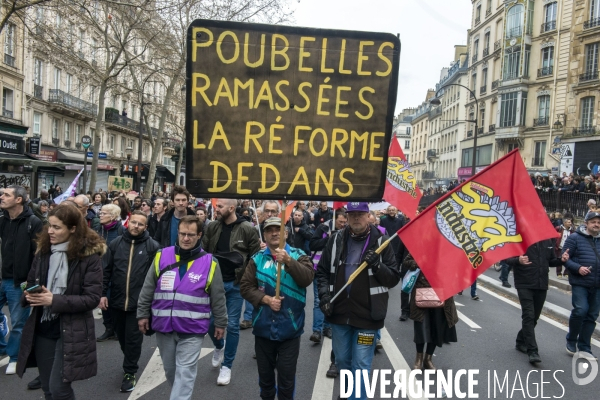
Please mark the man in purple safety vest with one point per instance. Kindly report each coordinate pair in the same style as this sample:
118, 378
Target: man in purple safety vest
181, 290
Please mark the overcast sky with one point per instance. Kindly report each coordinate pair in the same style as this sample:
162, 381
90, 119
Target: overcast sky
428, 30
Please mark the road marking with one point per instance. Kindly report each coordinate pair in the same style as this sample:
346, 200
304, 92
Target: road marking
4, 361
542, 317
154, 374
395, 357
467, 320
323, 388
458, 304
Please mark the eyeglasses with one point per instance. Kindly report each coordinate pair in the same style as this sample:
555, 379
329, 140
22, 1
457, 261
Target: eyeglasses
187, 235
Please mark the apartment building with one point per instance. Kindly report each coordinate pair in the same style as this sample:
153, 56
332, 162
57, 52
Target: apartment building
402, 130
420, 129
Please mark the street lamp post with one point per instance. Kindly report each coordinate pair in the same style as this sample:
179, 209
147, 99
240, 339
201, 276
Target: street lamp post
436, 102
129, 153
140, 142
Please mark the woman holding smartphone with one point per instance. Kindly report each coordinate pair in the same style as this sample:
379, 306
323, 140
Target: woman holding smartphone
59, 335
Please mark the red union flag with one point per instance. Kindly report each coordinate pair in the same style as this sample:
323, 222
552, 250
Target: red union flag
494, 215
401, 188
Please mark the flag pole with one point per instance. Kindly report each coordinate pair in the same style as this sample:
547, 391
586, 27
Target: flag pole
281, 246
257, 222
363, 266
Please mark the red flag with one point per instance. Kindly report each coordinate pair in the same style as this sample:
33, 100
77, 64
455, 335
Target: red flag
401, 188
339, 204
288, 210
493, 216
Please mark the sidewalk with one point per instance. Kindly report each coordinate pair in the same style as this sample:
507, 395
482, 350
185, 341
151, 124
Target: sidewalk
559, 283
560, 313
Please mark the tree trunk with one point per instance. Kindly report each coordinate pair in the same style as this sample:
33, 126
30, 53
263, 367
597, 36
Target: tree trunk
98, 136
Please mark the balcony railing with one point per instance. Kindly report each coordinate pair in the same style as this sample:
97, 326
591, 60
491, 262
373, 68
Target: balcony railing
483, 89
591, 23
584, 130
514, 32
541, 121
7, 113
432, 154
509, 76
488, 12
588, 76
495, 84
9, 60
474, 59
428, 175
477, 21
471, 95
127, 122
545, 71
548, 26
497, 45
486, 52
480, 130
38, 92
537, 162
57, 96
492, 128
470, 133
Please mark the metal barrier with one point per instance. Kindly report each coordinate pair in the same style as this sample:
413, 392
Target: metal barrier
567, 202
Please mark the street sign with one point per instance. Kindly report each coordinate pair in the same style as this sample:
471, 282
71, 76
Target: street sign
86, 142
34, 145
287, 112
100, 155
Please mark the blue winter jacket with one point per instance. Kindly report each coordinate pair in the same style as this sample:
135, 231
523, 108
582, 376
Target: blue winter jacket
581, 254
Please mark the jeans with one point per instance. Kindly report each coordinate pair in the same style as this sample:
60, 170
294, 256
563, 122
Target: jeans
350, 355
272, 355
248, 310
474, 289
405, 302
49, 358
532, 303
18, 316
179, 354
319, 322
586, 306
130, 338
234, 310
504, 271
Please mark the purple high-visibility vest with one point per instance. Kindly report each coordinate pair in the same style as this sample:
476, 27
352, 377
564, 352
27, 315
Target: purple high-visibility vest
182, 305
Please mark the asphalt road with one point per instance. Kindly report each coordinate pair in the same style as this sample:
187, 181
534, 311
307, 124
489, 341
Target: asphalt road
486, 335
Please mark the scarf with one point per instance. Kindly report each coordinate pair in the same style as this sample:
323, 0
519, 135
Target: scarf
187, 254
57, 275
359, 237
110, 225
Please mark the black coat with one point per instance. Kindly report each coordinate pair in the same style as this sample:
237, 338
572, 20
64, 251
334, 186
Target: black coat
128, 260
18, 243
163, 231
301, 238
322, 216
75, 306
535, 275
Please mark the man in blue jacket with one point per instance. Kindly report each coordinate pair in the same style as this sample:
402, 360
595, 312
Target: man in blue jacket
584, 276
278, 322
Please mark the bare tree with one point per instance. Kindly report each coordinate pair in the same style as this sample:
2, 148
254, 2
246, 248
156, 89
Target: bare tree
14, 7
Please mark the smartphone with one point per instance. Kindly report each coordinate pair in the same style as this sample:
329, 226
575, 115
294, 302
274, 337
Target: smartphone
34, 289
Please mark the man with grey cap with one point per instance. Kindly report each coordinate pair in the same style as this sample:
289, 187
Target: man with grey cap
278, 322
583, 248
360, 309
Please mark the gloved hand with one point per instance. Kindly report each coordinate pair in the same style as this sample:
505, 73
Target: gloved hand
325, 305
372, 260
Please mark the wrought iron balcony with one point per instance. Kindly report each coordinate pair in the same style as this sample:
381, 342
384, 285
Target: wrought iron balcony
588, 76
477, 21
470, 133
488, 12
428, 175
545, 71
127, 123
480, 130
9, 60
38, 92
584, 130
483, 89
474, 59
548, 26
495, 84
486, 52
497, 45
471, 95
514, 32
56, 141
61, 98
509, 76
541, 121
7, 113
432, 153
591, 23
67, 143
492, 128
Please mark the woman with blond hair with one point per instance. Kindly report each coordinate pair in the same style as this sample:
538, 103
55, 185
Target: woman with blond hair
63, 288
110, 224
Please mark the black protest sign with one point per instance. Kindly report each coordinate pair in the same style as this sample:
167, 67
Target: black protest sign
277, 111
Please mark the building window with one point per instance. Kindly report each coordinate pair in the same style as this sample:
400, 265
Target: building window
38, 72
67, 131
7, 103
523, 108
111, 143
549, 17
508, 109
93, 94
475, 49
539, 154
57, 78
407, 144
591, 60
69, 83
123, 146
93, 136
484, 156
81, 40
512, 60
594, 10
37, 123
514, 21
486, 44
78, 129
54, 128
94, 49
511, 146
9, 40
478, 14
547, 61
587, 112
543, 110
482, 118
408, 130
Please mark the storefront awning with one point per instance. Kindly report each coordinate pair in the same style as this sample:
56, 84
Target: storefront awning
166, 173
70, 155
23, 159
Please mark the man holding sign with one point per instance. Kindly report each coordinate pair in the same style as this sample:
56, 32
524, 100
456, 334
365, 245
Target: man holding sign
360, 310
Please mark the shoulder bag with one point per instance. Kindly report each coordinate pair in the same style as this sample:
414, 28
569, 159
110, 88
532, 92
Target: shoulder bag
426, 298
